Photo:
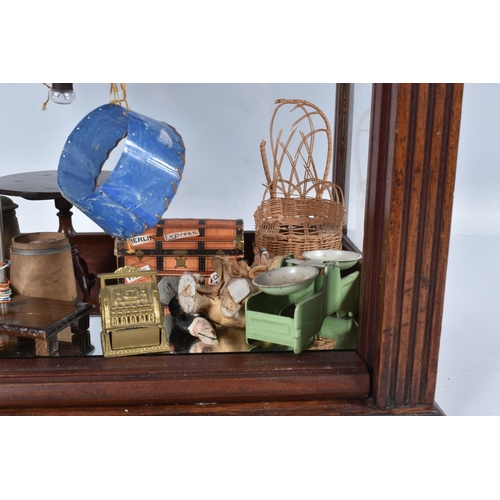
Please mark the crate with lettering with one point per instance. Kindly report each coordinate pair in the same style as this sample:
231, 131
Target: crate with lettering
175, 246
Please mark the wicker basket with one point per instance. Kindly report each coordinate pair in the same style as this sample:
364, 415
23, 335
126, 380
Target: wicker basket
300, 211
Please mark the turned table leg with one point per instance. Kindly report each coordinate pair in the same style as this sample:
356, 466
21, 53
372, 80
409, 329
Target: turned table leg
85, 279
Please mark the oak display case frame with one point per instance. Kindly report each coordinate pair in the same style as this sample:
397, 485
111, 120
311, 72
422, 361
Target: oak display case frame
413, 149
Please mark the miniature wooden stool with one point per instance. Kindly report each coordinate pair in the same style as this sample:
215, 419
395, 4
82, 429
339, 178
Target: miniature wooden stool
42, 319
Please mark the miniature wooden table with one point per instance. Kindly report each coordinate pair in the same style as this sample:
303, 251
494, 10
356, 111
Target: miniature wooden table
42, 319
42, 185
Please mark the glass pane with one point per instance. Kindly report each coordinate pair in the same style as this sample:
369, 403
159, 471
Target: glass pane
222, 126
357, 170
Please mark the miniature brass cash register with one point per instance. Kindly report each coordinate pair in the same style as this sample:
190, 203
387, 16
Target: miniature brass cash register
131, 313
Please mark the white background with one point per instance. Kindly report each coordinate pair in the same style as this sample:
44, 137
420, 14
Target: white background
469, 362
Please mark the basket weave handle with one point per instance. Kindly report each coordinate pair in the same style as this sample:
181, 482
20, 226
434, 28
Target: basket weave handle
302, 190
264, 162
280, 150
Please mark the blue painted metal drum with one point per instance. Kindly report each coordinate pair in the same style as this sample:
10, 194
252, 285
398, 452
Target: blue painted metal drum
144, 181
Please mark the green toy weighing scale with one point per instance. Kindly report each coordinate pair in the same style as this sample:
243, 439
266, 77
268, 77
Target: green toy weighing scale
304, 298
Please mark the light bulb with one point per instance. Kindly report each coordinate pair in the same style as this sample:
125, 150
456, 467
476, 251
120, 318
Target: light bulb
62, 93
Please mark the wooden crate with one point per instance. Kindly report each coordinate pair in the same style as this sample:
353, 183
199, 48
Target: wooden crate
176, 246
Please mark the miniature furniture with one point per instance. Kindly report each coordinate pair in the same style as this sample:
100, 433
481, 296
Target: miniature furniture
43, 186
411, 173
43, 319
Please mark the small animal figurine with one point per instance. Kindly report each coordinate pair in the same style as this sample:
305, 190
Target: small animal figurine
194, 324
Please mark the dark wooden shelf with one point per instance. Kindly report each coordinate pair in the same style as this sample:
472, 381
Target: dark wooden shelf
172, 380
334, 407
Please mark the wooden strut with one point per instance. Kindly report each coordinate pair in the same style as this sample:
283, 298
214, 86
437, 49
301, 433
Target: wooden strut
411, 177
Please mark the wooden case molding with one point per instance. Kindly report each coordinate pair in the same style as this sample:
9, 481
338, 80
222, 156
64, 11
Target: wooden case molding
342, 141
411, 179
411, 172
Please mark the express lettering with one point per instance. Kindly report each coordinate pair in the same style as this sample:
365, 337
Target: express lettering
182, 234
